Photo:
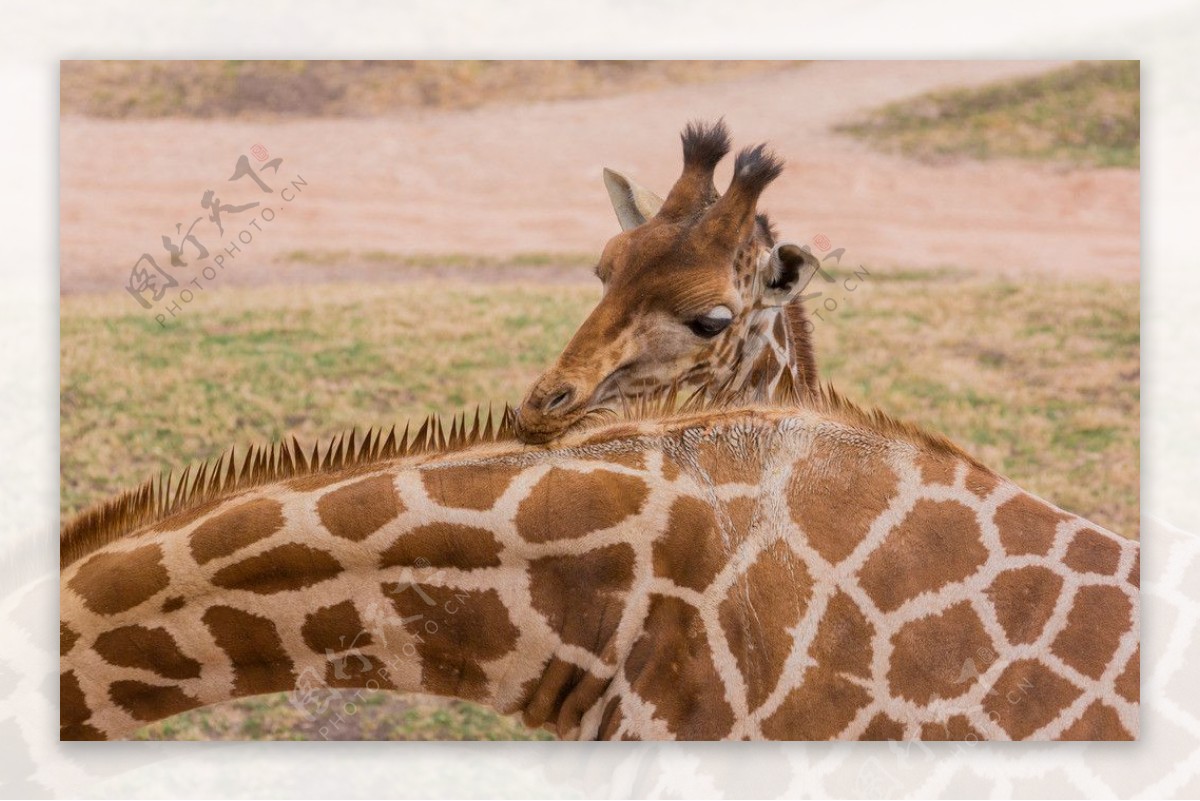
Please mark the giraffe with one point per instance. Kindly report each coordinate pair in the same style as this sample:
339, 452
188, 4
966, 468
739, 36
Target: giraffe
697, 293
762, 571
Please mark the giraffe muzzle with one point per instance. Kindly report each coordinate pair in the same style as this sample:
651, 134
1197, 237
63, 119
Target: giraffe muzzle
554, 404
547, 412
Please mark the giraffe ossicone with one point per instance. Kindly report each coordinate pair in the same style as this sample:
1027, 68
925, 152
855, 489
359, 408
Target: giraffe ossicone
675, 262
743, 572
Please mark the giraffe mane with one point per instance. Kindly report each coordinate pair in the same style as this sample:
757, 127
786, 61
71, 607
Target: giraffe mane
158, 499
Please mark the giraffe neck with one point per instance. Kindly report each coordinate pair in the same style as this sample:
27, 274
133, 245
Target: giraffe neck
789, 574
777, 344
448, 578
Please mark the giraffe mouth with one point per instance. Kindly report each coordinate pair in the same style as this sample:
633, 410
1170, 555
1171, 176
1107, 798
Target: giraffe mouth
542, 434
538, 429
608, 391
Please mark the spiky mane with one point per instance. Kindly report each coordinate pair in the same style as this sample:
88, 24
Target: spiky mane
158, 499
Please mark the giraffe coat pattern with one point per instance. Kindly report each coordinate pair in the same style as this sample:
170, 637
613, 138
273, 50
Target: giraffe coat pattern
767, 572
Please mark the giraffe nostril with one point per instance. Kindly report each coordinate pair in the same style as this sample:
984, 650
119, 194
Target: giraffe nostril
559, 399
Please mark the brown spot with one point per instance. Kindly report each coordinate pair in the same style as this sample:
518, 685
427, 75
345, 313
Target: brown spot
882, 727
936, 544
1026, 697
826, 701
834, 529
843, 640
147, 649
544, 694
1092, 552
611, 719
670, 666
566, 504
236, 528
583, 597
1135, 572
765, 368
73, 711
670, 468
561, 696
260, 663
820, 708
721, 464
474, 486
1027, 525
356, 511
288, 567
334, 629
459, 631
1098, 618
1098, 722
691, 551
779, 330
936, 468
148, 702
66, 638
1129, 683
742, 512
778, 582
443, 545
954, 729
358, 670
111, 582
172, 604
980, 482
1024, 599
938, 656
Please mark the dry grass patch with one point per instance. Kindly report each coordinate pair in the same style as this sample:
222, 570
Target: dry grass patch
1086, 114
147, 89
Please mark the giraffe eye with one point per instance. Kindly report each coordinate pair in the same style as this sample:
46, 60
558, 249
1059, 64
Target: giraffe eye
711, 323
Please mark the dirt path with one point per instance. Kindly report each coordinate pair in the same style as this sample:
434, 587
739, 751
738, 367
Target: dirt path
515, 179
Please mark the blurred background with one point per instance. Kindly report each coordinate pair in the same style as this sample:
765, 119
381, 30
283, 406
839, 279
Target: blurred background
398, 238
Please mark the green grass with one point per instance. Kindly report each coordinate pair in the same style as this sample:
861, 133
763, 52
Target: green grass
257, 364
369, 716
1037, 377
1085, 114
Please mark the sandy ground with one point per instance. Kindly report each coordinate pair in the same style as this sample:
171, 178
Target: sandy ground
513, 179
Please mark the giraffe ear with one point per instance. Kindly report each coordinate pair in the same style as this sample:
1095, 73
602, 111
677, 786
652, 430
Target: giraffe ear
789, 269
634, 204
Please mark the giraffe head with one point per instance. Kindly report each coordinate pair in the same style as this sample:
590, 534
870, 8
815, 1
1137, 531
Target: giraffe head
696, 293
